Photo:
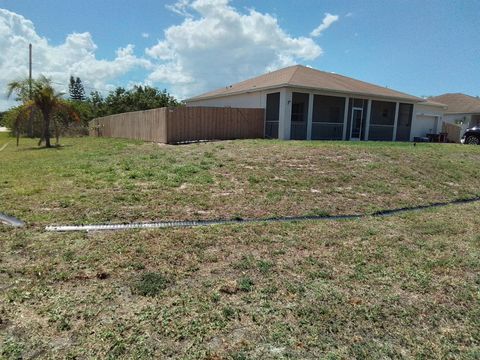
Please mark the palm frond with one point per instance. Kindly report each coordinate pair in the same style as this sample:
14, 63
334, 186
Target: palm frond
41, 94
18, 86
27, 109
66, 108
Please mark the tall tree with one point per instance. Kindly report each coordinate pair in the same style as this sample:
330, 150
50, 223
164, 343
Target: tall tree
71, 87
76, 89
80, 89
46, 101
97, 104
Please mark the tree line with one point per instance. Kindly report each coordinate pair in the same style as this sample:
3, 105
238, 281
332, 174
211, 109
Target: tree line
44, 111
117, 101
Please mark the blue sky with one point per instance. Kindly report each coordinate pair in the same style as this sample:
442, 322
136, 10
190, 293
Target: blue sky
419, 47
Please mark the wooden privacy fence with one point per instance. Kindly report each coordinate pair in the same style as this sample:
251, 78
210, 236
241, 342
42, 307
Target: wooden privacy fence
454, 132
182, 124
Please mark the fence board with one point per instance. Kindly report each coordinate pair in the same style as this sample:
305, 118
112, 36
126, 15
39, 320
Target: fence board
454, 132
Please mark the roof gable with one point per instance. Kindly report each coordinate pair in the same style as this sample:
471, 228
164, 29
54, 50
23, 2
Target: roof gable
305, 77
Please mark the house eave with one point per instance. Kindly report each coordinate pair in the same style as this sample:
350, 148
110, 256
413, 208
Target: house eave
443, 107
217, 96
462, 113
342, 92
360, 94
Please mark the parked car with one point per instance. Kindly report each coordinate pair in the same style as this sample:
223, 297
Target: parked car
471, 136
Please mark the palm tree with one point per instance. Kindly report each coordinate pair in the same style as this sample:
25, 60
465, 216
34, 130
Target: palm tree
43, 99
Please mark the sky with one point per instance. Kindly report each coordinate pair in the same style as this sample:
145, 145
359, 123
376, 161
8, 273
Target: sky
192, 46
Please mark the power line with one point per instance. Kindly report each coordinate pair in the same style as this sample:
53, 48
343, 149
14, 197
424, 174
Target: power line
65, 85
85, 86
95, 88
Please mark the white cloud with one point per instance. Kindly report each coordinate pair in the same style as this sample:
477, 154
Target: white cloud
327, 21
145, 35
180, 8
76, 56
216, 45
213, 45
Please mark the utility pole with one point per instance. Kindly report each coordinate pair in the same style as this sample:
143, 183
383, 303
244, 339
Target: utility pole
30, 70
30, 85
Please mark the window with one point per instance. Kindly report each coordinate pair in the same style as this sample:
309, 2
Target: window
273, 106
298, 111
328, 109
382, 119
298, 129
404, 123
272, 115
327, 118
335, 114
382, 113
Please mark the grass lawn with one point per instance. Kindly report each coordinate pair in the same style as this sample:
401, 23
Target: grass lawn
98, 180
405, 286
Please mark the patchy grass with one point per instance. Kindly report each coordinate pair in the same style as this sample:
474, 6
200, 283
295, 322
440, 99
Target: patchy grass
91, 180
405, 286
398, 287
151, 284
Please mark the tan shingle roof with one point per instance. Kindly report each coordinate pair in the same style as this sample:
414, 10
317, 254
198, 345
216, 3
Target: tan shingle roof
305, 77
459, 103
429, 102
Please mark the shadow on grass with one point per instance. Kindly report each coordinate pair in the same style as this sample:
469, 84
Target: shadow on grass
53, 147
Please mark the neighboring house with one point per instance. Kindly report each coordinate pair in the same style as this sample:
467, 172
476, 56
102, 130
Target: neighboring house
428, 118
463, 110
307, 104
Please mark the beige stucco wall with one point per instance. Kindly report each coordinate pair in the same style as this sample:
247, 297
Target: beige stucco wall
247, 100
426, 118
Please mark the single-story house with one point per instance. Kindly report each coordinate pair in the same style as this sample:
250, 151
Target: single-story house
463, 110
307, 104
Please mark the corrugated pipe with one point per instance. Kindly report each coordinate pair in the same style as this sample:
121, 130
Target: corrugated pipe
179, 224
10, 220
